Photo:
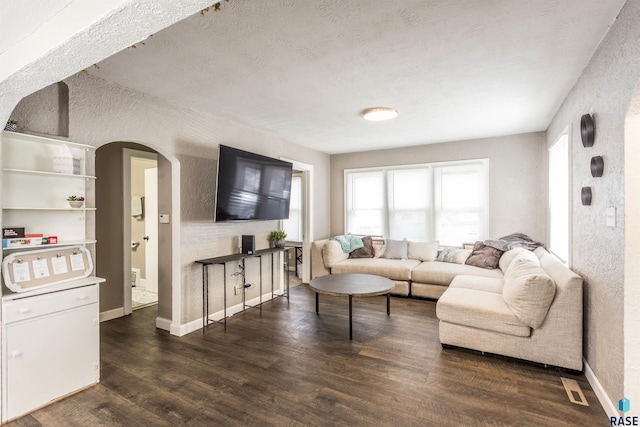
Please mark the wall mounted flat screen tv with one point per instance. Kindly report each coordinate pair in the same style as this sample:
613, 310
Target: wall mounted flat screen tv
251, 186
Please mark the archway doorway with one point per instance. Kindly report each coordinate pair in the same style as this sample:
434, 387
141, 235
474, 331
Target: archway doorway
140, 221
113, 251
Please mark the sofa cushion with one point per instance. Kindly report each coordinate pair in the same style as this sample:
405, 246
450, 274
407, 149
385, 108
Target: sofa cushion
528, 291
423, 251
479, 309
332, 253
366, 251
393, 269
453, 254
487, 284
442, 273
507, 258
397, 249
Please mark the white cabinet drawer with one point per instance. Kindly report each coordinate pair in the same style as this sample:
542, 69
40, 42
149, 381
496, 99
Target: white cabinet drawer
40, 305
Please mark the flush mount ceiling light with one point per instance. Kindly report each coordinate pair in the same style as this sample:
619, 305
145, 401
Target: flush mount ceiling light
377, 114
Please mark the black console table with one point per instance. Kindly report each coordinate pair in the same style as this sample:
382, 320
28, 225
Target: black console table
223, 260
297, 254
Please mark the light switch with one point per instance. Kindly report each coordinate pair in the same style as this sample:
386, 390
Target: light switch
611, 217
164, 219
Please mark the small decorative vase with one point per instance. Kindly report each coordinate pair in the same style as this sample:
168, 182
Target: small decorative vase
11, 127
75, 203
279, 243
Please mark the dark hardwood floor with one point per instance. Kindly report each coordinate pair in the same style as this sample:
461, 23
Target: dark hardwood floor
291, 367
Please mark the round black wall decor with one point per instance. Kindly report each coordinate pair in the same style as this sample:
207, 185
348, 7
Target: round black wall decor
597, 166
587, 130
585, 195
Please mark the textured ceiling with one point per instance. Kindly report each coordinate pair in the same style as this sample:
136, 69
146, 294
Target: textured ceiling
19, 19
304, 70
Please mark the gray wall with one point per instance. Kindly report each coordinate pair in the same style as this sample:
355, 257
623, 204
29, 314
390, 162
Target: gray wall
165, 240
517, 166
605, 89
46, 112
109, 227
101, 112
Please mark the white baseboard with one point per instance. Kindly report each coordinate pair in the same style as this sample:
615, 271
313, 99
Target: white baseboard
164, 324
603, 397
111, 314
195, 325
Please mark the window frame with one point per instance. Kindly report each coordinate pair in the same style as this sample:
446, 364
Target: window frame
432, 228
566, 136
299, 232
347, 202
484, 198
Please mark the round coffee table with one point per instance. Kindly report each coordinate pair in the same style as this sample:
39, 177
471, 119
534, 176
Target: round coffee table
361, 285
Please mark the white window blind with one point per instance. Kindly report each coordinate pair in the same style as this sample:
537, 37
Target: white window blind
365, 203
448, 202
409, 205
462, 203
293, 225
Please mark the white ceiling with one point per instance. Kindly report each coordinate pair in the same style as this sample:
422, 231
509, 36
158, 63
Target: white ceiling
304, 70
16, 25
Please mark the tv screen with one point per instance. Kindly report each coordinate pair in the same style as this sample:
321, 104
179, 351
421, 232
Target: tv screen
251, 186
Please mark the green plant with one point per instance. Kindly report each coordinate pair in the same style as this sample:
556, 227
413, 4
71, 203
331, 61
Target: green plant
75, 199
277, 235
11, 122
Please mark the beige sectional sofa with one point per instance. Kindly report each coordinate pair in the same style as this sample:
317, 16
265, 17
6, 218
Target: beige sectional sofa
415, 277
327, 258
483, 314
529, 308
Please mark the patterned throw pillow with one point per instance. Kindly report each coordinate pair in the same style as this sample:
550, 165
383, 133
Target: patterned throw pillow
454, 254
379, 250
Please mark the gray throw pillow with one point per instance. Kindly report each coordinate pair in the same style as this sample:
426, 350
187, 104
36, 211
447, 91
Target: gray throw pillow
484, 256
397, 249
365, 251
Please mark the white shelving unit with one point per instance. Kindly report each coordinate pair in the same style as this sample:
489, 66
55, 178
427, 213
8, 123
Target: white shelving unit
51, 335
34, 194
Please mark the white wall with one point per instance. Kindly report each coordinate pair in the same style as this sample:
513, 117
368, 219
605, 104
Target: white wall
517, 167
632, 254
605, 89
